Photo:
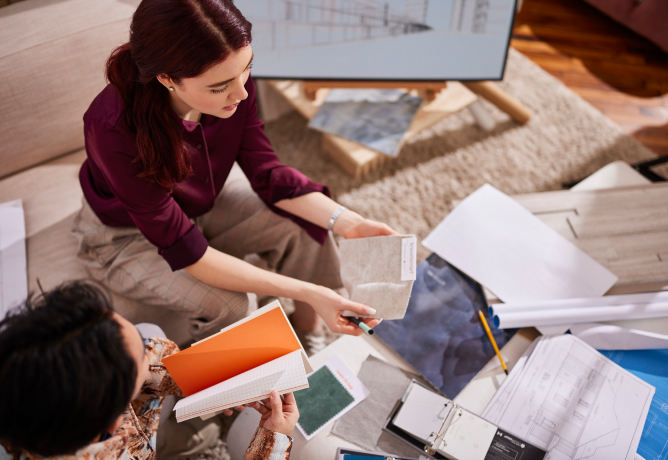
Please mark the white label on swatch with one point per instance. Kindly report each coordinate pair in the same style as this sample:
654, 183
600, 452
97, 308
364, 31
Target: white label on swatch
408, 258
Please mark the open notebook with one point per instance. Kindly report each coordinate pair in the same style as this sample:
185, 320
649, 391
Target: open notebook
242, 363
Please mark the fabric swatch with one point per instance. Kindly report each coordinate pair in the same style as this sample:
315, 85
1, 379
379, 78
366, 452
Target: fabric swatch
363, 425
441, 334
371, 270
324, 398
375, 118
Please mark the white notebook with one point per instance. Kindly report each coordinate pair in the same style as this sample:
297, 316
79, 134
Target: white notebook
243, 363
284, 375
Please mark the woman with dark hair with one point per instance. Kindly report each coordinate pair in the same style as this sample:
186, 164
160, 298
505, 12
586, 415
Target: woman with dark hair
161, 140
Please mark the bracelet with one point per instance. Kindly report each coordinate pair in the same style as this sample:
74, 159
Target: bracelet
335, 216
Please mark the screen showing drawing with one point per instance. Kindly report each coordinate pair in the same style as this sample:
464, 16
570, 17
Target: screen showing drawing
380, 39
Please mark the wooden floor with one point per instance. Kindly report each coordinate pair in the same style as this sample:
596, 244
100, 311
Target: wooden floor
619, 72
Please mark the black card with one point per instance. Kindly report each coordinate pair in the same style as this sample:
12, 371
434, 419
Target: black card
505, 446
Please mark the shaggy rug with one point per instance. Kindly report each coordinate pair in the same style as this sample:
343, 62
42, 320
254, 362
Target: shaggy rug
566, 140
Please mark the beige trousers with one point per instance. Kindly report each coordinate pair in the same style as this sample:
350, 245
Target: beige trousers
239, 224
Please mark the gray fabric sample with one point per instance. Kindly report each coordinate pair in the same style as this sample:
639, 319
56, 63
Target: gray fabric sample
376, 118
363, 425
371, 272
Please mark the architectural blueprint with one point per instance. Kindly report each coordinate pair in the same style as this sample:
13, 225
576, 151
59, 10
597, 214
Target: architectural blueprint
572, 401
649, 365
13, 267
380, 39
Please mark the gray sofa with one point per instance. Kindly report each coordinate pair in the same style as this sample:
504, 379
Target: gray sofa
52, 56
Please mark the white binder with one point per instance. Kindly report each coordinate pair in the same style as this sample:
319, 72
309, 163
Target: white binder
437, 426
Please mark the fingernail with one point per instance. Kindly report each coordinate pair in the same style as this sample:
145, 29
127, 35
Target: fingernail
274, 394
370, 311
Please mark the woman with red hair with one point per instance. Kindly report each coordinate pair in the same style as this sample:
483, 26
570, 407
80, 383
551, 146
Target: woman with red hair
161, 141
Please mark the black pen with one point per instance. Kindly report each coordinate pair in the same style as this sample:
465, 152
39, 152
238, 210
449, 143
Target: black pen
360, 324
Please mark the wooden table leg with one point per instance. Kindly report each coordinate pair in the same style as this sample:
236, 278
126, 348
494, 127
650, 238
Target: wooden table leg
504, 101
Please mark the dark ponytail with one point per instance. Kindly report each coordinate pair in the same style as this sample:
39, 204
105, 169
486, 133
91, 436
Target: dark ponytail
161, 37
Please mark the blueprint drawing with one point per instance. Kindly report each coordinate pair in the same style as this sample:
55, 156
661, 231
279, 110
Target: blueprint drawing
380, 39
649, 365
572, 401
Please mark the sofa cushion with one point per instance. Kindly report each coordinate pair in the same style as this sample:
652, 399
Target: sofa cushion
52, 56
51, 198
50, 192
648, 18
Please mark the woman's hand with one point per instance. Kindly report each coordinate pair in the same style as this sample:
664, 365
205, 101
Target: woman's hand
279, 415
351, 225
330, 306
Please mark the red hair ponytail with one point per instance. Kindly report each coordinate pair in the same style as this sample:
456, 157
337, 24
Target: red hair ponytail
161, 37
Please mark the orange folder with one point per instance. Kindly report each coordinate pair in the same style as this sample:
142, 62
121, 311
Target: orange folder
262, 337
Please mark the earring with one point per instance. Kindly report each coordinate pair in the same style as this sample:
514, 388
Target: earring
171, 88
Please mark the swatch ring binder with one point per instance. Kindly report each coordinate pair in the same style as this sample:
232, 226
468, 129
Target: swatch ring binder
441, 429
453, 411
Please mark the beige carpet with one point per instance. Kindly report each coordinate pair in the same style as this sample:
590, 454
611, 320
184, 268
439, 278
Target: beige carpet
566, 140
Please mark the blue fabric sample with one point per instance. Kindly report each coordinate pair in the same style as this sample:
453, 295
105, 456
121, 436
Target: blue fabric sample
441, 334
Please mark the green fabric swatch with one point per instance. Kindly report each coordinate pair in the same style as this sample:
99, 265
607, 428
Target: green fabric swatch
323, 399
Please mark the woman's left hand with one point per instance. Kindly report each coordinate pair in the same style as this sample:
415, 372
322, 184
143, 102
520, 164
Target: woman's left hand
365, 228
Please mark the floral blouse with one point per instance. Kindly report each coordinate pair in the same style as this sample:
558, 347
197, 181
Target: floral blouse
136, 438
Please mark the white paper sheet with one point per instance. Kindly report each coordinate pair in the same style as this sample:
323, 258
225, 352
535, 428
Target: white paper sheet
13, 265
609, 337
350, 381
285, 374
571, 400
504, 247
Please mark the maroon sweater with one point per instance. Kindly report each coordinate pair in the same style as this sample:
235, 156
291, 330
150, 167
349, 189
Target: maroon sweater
120, 199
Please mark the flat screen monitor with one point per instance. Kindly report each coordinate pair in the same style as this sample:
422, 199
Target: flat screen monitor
422, 40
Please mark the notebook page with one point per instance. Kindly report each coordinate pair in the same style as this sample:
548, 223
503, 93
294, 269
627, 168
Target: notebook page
284, 374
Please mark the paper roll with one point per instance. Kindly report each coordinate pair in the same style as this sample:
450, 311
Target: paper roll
605, 301
557, 316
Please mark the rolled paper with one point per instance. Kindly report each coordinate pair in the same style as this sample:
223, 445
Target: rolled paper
605, 301
559, 316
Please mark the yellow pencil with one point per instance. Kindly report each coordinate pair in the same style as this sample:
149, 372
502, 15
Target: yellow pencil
491, 339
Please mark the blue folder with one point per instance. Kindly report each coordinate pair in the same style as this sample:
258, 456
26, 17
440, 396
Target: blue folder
652, 367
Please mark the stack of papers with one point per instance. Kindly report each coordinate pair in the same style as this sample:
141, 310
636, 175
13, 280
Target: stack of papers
567, 398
